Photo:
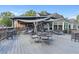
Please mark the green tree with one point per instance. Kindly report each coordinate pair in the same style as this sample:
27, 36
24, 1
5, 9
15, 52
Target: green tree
77, 18
6, 21
44, 13
29, 13
6, 14
5, 18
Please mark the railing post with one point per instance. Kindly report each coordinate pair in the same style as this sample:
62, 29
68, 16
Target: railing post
13, 23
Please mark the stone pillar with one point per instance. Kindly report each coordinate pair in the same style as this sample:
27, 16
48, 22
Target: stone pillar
68, 28
63, 26
57, 27
57, 23
77, 27
48, 26
35, 27
52, 25
71, 26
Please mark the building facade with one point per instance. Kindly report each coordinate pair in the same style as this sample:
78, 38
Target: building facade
54, 22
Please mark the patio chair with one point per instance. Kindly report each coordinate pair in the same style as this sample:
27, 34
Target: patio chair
34, 36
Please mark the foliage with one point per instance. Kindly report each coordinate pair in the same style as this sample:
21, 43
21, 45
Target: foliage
77, 18
6, 14
44, 13
6, 21
4, 18
29, 13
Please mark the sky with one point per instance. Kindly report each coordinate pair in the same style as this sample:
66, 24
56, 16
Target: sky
69, 11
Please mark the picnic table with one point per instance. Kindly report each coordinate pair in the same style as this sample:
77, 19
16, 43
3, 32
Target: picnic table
42, 37
46, 37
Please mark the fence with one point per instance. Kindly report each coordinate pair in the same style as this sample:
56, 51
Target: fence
75, 35
7, 32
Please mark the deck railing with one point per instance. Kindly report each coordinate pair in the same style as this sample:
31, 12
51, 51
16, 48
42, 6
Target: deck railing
7, 32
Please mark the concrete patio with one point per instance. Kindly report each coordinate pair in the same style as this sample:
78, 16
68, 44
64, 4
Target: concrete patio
23, 44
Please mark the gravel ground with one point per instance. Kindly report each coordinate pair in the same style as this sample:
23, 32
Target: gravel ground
23, 44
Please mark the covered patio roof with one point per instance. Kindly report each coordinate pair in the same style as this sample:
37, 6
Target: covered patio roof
31, 17
28, 17
31, 21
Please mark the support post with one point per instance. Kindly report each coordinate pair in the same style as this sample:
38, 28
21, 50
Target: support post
57, 27
52, 25
48, 26
63, 26
13, 23
35, 27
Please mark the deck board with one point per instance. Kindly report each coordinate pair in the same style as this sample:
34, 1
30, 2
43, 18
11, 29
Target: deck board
23, 44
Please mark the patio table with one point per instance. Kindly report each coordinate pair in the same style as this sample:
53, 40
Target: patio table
44, 37
34, 36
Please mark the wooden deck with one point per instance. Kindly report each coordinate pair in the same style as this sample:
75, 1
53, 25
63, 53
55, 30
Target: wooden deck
23, 44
